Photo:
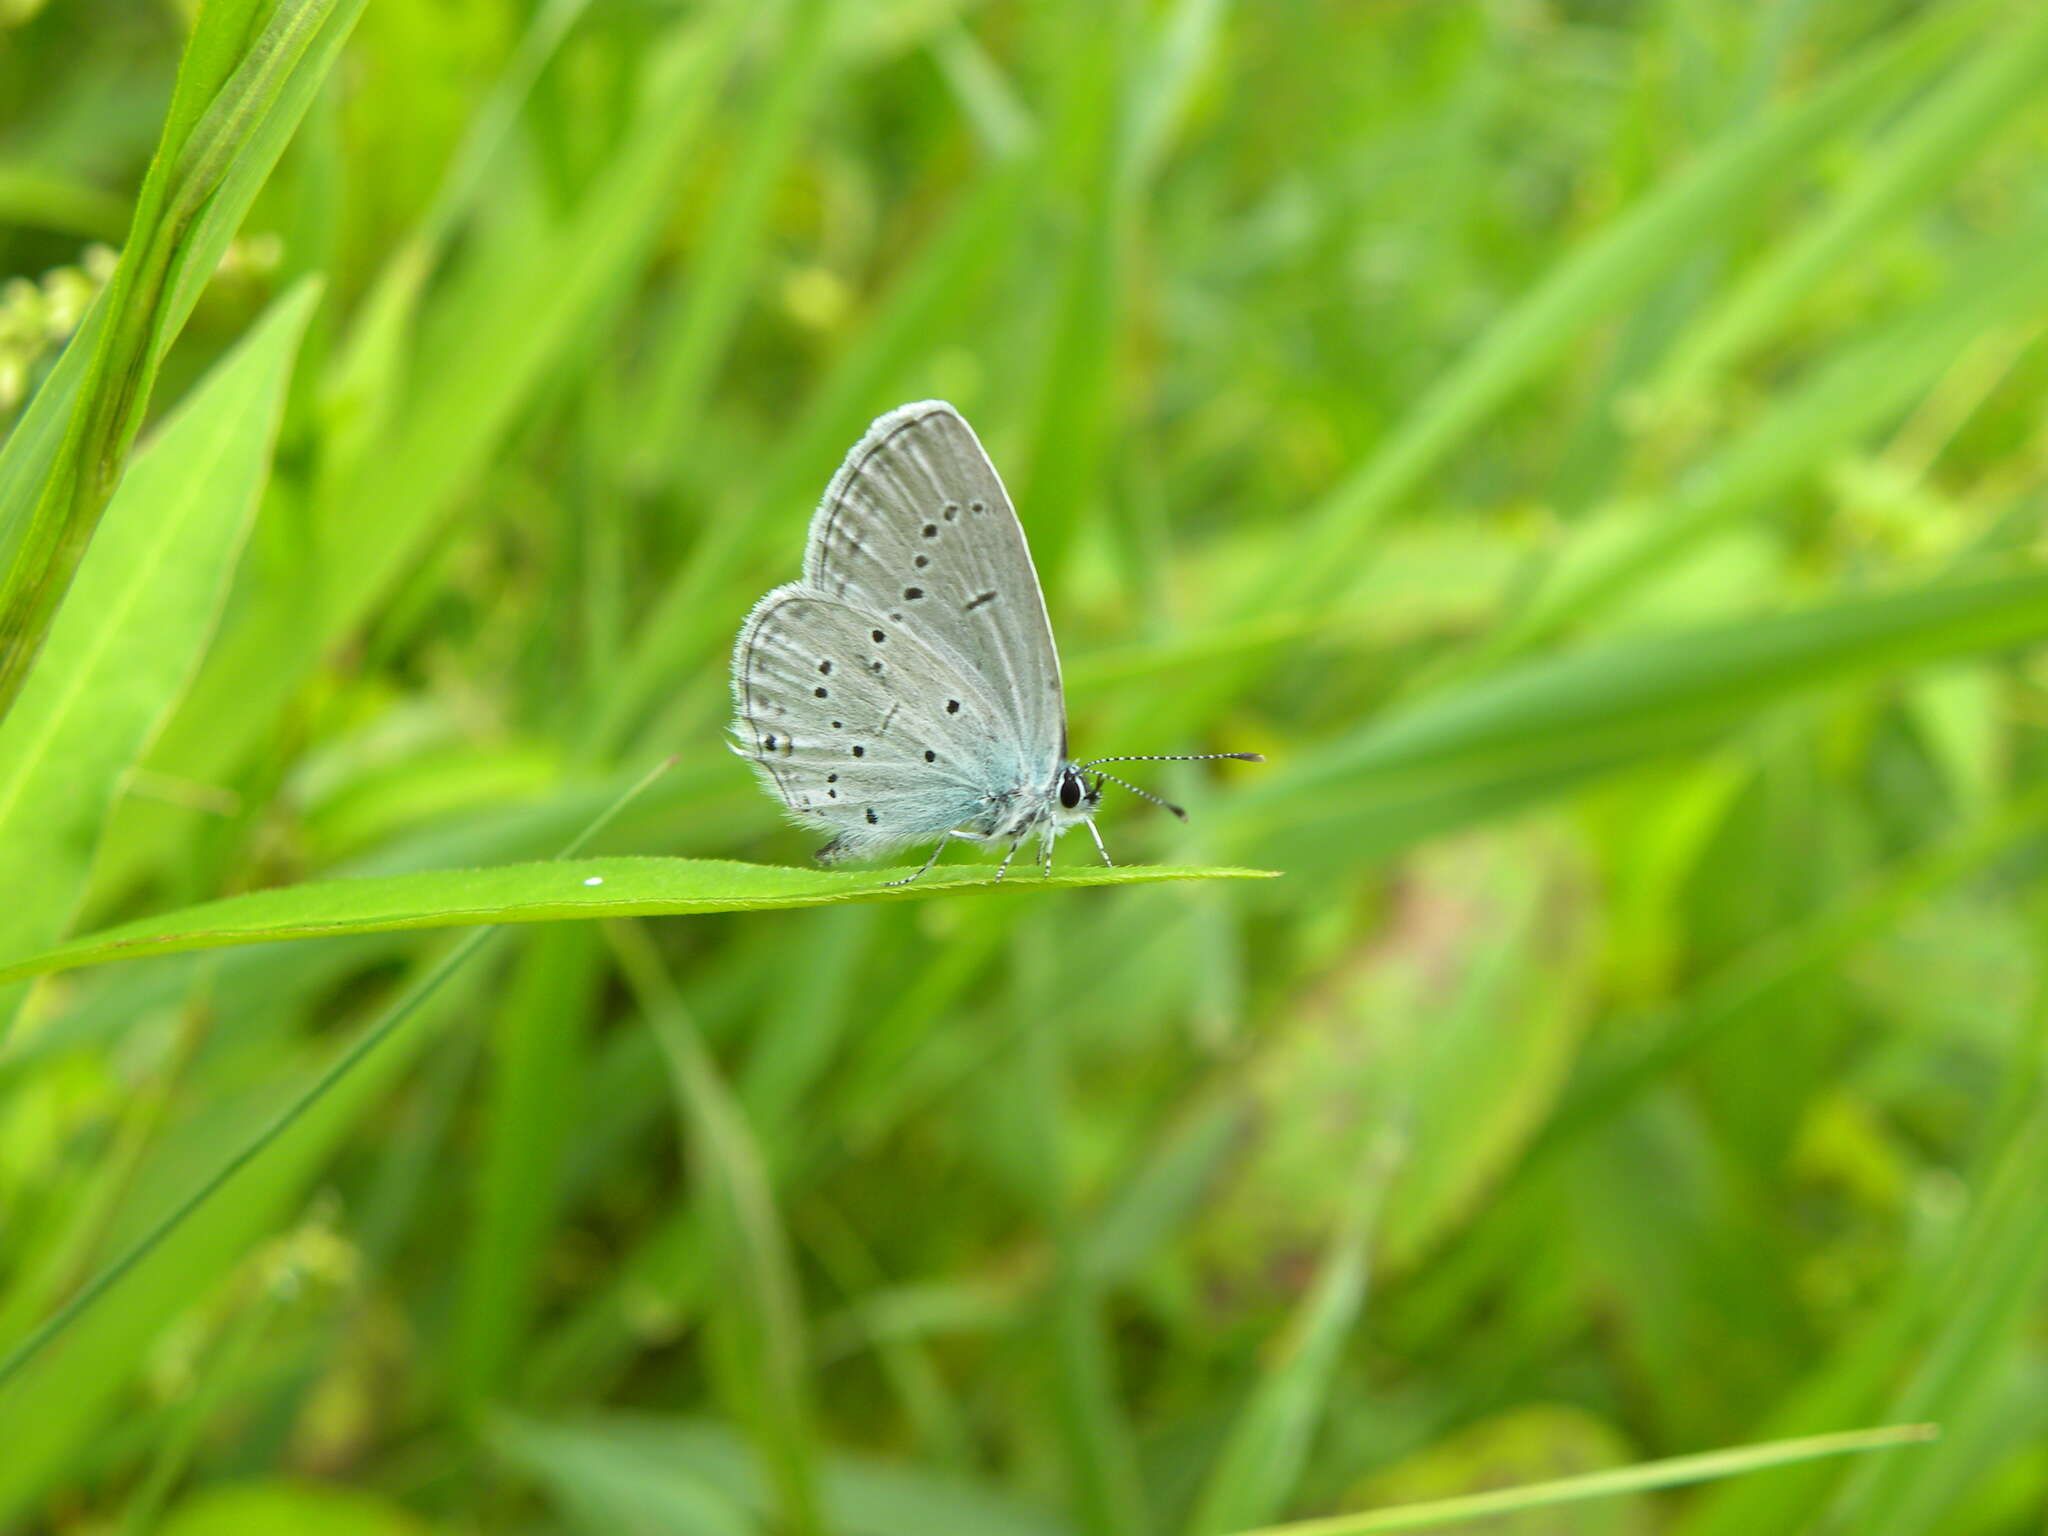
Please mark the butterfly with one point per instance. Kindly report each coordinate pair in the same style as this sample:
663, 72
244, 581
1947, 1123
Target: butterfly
907, 687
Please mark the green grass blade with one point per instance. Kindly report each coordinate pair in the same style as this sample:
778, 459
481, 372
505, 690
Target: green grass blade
365, 382
185, 1246
534, 1066
606, 1488
1676, 1472
1660, 233
1866, 384
1073, 414
761, 1354
201, 185
546, 892
140, 611
1094, 1426
1181, 50
1256, 1473
641, 1461
1953, 1312
725, 271
36, 198
29, 458
1990, 1305
94, 1343
466, 389
1918, 159
1549, 725
1742, 989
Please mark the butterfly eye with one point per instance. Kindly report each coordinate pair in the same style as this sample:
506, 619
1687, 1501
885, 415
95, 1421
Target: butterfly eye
1070, 790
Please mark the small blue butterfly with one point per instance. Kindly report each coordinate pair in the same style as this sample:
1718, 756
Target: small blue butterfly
907, 687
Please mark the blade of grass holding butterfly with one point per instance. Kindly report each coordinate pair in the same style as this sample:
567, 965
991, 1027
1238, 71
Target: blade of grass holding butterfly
206, 175
549, 891
759, 1350
364, 1046
1916, 160
142, 607
1676, 1472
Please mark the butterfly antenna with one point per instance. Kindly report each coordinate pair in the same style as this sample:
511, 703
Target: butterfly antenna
1176, 757
1165, 757
1145, 793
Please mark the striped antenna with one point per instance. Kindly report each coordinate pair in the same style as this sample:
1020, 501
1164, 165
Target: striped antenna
1165, 757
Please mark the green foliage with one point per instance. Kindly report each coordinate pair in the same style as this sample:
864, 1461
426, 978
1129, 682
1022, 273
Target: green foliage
539, 893
119, 656
1592, 451
244, 84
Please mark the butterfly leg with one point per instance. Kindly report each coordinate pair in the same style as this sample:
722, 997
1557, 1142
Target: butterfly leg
1106, 859
1008, 856
1046, 840
938, 849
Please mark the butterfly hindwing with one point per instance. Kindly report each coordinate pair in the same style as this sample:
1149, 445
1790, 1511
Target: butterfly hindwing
861, 728
917, 528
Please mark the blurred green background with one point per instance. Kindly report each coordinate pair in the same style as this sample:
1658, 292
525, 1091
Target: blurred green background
1594, 449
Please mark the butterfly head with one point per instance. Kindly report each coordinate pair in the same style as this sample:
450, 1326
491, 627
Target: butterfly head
1077, 797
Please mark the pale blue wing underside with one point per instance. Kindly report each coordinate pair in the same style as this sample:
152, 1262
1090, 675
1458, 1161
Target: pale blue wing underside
861, 729
916, 527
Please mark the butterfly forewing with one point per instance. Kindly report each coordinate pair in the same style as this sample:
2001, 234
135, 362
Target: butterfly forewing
916, 527
859, 726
